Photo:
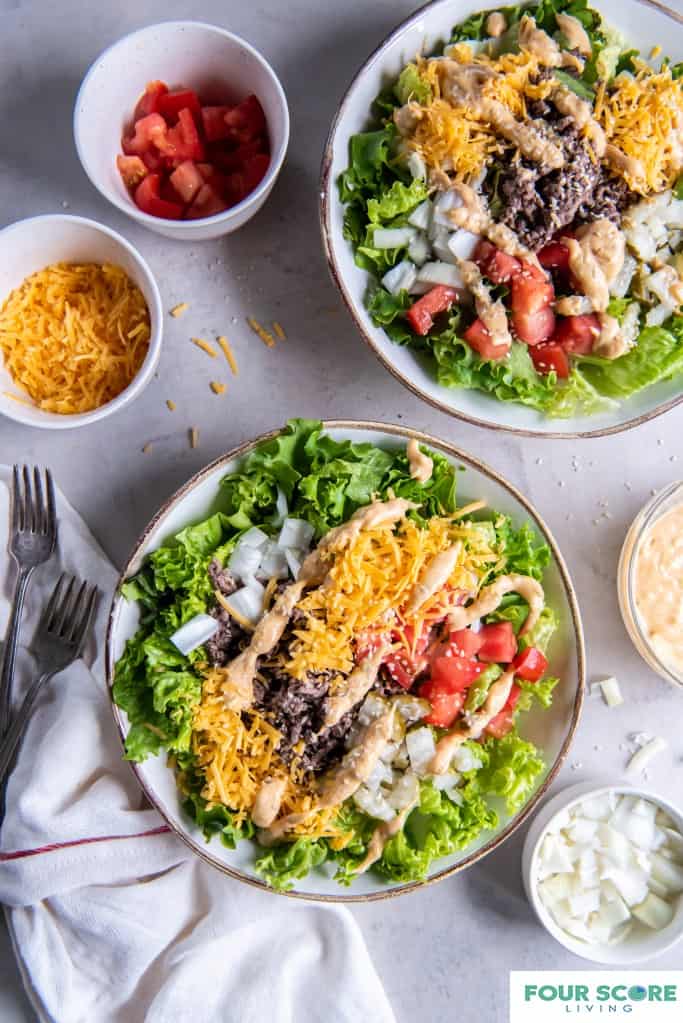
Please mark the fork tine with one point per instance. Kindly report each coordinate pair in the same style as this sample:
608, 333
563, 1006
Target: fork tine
39, 516
71, 624
16, 500
80, 631
63, 611
29, 511
51, 523
48, 614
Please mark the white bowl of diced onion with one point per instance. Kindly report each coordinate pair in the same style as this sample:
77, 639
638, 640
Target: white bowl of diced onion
603, 870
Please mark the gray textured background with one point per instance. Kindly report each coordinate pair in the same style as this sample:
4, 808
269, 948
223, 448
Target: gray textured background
429, 947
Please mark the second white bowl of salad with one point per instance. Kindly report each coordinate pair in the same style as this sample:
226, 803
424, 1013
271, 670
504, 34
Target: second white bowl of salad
349, 655
503, 213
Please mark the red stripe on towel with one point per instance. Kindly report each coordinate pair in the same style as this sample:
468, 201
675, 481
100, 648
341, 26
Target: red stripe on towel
21, 853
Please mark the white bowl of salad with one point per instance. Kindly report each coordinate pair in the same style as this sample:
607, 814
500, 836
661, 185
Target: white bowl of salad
345, 660
502, 210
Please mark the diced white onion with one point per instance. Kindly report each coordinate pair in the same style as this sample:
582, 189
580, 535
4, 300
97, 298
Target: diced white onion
654, 912
462, 243
667, 872
195, 632
248, 602
611, 692
254, 537
449, 780
464, 759
405, 791
373, 803
658, 315
400, 278
421, 216
417, 166
440, 248
295, 533
444, 203
392, 237
642, 758
244, 561
294, 561
281, 506
439, 272
273, 562
381, 775
419, 250
373, 707
622, 281
421, 749
411, 708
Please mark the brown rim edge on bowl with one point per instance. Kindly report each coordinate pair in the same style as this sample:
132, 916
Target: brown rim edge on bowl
474, 463
326, 195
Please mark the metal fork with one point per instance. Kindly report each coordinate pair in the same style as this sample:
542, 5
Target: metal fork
58, 642
33, 535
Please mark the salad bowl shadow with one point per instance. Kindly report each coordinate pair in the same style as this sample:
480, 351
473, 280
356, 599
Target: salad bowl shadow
551, 730
648, 23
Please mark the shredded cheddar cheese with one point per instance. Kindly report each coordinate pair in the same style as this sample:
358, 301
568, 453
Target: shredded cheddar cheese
279, 332
170, 405
454, 138
205, 346
228, 353
261, 332
74, 335
179, 309
217, 387
374, 577
194, 436
237, 752
643, 117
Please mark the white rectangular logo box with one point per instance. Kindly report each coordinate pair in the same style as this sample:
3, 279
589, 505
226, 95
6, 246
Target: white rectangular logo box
631, 996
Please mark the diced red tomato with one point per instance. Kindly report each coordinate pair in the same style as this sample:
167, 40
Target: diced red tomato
501, 724
479, 338
149, 132
182, 142
530, 664
131, 169
399, 669
213, 123
149, 101
498, 266
230, 159
531, 299
549, 356
187, 180
148, 199
445, 706
206, 203
421, 313
455, 673
499, 643
171, 103
246, 120
466, 643
554, 256
242, 183
577, 334
153, 161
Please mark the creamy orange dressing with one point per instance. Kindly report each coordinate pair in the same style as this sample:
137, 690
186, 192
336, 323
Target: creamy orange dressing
659, 587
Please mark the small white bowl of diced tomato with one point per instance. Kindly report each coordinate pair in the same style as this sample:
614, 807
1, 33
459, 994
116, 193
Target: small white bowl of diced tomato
192, 156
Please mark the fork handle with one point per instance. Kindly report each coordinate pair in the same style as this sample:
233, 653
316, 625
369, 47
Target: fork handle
10, 648
15, 733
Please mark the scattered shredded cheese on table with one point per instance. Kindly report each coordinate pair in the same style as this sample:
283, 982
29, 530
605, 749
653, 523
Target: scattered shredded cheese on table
217, 387
227, 351
205, 346
179, 309
74, 335
170, 405
261, 332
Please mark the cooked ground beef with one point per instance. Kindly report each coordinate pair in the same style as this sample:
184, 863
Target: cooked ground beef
222, 578
230, 638
536, 204
297, 710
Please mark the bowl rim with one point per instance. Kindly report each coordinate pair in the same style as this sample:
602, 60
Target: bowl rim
326, 199
560, 803
156, 317
276, 162
648, 515
570, 594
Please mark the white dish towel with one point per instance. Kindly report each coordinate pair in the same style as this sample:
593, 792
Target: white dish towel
112, 918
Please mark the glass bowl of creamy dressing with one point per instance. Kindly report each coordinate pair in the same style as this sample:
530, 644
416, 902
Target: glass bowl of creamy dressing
650, 583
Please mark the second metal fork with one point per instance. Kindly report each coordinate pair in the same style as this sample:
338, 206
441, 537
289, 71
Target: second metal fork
58, 642
33, 534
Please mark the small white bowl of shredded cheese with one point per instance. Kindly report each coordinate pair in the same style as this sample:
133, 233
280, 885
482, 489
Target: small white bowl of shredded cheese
603, 870
80, 322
